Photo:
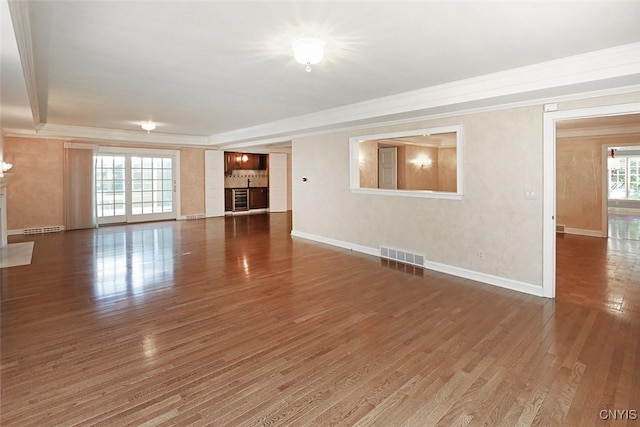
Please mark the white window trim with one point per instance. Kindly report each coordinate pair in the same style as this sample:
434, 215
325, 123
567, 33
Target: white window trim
354, 164
627, 177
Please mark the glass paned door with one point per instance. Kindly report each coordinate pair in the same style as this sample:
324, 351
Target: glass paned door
134, 188
152, 187
110, 189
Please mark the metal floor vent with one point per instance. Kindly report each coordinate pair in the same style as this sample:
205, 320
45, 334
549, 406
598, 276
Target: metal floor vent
402, 256
41, 230
195, 216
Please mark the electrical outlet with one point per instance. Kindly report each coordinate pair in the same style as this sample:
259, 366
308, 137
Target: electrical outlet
481, 254
529, 194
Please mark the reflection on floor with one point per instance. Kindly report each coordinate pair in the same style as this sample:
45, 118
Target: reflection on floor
132, 260
624, 226
16, 254
599, 272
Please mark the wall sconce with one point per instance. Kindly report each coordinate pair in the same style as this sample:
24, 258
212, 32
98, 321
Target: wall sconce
423, 162
4, 167
242, 158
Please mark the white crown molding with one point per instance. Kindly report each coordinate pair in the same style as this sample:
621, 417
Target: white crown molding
586, 68
415, 119
100, 134
19, 11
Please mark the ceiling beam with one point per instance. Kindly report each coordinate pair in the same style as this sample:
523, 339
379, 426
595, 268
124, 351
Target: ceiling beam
19, 11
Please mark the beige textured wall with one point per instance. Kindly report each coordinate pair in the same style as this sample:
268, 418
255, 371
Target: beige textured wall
447, 169
192, 181
35, 195
579, 183
503, 156
368, 164
414, 176
35, 190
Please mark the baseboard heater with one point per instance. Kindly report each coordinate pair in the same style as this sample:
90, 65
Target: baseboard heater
402, 256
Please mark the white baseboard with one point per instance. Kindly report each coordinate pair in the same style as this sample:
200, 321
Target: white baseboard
339, 243
581, 232
489, 279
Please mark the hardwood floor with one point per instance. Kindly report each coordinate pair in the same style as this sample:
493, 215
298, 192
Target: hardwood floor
230, 321
599, 272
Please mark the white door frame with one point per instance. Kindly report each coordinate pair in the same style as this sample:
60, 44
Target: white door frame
549, 182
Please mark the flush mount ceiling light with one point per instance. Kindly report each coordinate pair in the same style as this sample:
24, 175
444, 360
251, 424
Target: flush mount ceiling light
148, 125
308, 51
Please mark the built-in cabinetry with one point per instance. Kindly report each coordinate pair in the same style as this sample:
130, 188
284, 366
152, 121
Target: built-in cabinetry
228, 199
244, 161
258, 198
234, 198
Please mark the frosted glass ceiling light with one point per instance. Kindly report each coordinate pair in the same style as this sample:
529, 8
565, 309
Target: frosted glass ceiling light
308, 51
148, 125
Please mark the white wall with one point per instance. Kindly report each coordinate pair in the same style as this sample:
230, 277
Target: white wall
502, 159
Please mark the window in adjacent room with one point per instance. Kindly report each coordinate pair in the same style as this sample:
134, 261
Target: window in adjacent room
624, 177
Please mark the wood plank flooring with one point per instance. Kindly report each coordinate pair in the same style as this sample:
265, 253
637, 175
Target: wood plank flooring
230, 321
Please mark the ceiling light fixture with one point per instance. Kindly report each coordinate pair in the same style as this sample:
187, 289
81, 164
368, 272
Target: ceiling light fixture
148, 125
308, 51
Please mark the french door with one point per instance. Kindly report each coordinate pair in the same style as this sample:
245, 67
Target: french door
135, 187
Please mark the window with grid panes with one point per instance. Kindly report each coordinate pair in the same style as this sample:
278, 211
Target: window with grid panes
151, 185
110, 186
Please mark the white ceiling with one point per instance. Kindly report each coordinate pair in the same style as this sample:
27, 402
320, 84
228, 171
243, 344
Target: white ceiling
224, 70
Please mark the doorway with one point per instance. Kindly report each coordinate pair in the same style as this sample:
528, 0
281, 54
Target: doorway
550, 121
387, 167
136, 186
